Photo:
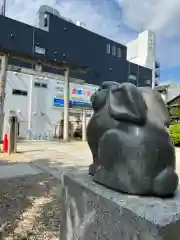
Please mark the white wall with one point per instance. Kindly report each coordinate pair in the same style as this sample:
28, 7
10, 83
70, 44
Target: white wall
17, 103
35, 111
142, 51
132, 51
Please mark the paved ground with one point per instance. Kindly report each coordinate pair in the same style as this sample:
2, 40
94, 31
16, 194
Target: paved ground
30, 208
30, 199
57, 156
54, 157
13, 158
20, 170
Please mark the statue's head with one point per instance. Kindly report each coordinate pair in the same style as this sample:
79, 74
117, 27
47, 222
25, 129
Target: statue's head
138, 104
99, 98
130, 103
126, 103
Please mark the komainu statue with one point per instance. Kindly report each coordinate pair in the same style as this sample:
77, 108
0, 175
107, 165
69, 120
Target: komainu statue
129, 140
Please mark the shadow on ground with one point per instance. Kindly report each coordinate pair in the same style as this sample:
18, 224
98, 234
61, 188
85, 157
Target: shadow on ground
27, 151
30, 206
6, 162
56, 167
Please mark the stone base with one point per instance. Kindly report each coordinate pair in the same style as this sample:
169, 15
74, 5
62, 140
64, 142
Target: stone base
91, 211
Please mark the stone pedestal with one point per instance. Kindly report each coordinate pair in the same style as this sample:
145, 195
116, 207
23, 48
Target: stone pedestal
91, 211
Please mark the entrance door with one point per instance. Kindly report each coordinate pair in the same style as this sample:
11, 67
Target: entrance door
39, 110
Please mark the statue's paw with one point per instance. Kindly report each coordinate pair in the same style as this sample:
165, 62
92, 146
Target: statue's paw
166, 182
109, 179
92, 169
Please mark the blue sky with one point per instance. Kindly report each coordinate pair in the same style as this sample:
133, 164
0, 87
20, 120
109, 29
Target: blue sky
120, 20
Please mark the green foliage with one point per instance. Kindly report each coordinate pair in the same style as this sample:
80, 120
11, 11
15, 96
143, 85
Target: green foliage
174, 131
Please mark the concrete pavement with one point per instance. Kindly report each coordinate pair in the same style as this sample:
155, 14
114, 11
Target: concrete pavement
18, 170
44, 156
56, 157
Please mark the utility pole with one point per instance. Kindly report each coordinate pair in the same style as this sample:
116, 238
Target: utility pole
30, 107
3, 73
66, 106
83, 124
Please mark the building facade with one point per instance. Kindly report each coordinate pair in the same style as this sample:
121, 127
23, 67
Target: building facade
38, 103
142, 51
57, 39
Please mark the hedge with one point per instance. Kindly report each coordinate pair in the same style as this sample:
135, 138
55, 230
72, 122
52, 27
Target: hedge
174, 131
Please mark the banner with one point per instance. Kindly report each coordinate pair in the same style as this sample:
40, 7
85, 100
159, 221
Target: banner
78, 94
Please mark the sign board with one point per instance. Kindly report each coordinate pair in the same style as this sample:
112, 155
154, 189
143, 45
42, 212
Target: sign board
59, 102
78, 94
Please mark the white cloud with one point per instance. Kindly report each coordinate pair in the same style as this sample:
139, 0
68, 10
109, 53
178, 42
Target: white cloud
161, 16
111, 17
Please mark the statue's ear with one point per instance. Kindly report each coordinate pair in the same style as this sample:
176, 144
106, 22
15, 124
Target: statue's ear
126, 103
156, 106
109, 84
98, 99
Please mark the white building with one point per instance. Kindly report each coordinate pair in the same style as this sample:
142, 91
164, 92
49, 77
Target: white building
142, 51
36, 101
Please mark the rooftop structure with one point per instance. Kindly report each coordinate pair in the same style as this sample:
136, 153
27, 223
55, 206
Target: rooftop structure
58, 40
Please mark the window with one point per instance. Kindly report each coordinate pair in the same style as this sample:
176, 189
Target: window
37, 84
40, 50
37, 67
45, 20
24, 93
119, 52
132, 77
44, 85
148, 82
59, 89
19, 92
108, 48
114, 50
